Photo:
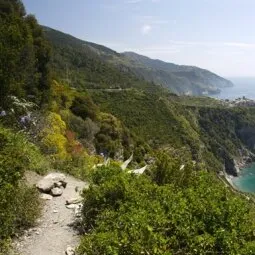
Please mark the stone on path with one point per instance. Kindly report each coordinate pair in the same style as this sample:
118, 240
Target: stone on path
46, 196
72, 206
45, 185
55, 224
52, 183
70, 251
75, 200
55, 192
56, 177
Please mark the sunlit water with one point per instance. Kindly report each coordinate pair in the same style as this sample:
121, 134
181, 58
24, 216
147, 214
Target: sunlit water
246, 181
242, 87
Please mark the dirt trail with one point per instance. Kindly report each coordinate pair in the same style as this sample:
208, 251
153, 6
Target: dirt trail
54, 232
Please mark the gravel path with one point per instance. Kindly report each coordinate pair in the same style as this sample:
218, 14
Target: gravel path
54, 232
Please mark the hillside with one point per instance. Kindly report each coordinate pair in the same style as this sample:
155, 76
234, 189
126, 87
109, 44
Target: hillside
142, 107
81, 109
204, 129
178, 79
83, 65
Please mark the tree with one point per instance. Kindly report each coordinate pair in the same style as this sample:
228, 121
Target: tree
24, 55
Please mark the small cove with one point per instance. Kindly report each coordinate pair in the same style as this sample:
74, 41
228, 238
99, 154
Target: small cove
245, 182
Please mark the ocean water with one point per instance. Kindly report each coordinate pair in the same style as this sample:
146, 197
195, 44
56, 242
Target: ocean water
242, 87
246, 181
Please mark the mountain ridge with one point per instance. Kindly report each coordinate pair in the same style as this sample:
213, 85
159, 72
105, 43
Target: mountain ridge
179, 79
200, 77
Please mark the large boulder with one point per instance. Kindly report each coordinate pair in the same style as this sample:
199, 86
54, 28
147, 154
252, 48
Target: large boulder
52, 181
56, 177
45, 185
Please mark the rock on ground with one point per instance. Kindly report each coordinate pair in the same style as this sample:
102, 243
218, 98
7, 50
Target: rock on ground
45, 185
52, 183
55, 192
46, 196
54, 233
70, 251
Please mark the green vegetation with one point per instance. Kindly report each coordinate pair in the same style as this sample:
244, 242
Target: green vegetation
19, 204
96, 104
179, 79
81, 66
89, 65
24, 55
127, 214
198, 129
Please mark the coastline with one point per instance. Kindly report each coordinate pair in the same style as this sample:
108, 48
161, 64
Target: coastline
239, 179
243, 162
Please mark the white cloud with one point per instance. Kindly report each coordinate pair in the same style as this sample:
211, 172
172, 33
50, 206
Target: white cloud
146, 29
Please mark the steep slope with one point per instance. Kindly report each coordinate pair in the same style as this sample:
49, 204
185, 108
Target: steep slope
200, 129
178, 78
160, 119
86, 63
176, 206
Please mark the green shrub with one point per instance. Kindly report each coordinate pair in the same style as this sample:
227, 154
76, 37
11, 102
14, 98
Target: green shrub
27, 206
128, 214
19, 205
84, 107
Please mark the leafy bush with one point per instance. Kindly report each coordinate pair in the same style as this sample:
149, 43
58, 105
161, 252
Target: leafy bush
24, 57
19, 205
54, 141
84, 107
127, 214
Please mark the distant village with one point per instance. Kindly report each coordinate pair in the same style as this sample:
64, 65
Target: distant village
240, 101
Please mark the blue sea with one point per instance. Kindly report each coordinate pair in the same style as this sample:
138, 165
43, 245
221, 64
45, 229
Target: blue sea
246, 181
242, 87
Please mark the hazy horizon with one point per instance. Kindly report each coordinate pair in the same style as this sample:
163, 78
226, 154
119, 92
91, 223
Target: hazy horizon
213, 35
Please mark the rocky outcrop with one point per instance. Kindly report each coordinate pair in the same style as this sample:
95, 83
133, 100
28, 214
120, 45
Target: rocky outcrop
231, 167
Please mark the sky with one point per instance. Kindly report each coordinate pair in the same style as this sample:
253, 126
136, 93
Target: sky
217, 35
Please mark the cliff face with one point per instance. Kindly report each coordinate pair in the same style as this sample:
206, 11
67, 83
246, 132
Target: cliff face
231, 167
247, 134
